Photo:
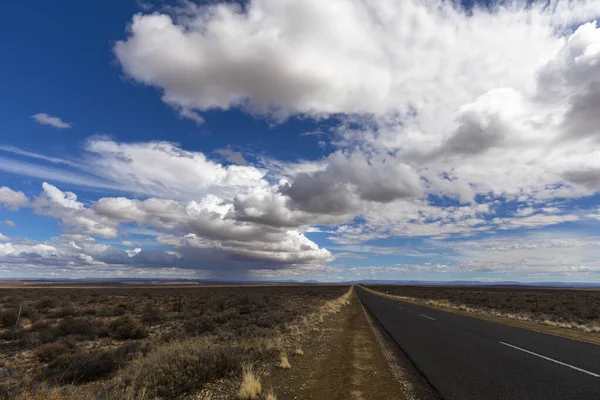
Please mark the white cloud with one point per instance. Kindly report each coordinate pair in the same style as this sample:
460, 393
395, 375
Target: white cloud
164, 169
534, 256
63, 199
350, 179
127, 243
3, 238
80, 177
234, 157
310, 57
54, 160
45, 119
440, 117
11, 199
72, 213
10, 223
484, 98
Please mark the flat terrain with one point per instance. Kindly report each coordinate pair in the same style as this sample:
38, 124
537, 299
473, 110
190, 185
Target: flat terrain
572, 309
133, 343
467, 358
293, 342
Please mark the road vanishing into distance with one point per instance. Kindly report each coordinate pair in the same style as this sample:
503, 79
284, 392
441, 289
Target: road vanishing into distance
465, 358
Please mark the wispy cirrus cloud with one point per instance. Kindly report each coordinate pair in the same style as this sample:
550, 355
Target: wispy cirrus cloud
45, 119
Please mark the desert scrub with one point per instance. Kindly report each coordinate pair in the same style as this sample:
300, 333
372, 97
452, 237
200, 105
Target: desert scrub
51, 351
126, 327
178, 368
209, 332
8, 318
87, 366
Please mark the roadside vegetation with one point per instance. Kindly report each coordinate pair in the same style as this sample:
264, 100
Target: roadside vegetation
152, 343
572, 309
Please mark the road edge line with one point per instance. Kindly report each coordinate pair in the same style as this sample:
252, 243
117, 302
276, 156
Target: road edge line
553, 360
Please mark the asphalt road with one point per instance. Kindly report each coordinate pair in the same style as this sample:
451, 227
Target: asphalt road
466, 358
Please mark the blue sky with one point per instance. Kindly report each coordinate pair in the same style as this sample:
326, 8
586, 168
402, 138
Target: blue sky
338, 141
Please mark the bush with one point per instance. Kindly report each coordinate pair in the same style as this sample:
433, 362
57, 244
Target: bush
64, 312
151, 315
126, 327
39, 326
74, 326
110, 312
46, 303
80, 367
200, 325
180, 367
50, 351
29, 312
9, 318
50, 334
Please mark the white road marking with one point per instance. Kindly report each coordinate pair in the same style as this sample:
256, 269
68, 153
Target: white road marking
425, 316
402, 308
553, 360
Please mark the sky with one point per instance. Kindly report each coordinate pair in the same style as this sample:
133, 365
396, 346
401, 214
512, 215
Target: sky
309, 140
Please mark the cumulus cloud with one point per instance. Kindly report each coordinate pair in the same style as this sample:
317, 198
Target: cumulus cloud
484, 124
446, 122
3, 238
493, 89
73, 215
11, 199
77, 255
199, 231
10, 223
234, 157
45, 119
211, 224
349, 179
308, 57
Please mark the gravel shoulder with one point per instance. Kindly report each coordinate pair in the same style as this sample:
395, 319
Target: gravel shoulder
347, 358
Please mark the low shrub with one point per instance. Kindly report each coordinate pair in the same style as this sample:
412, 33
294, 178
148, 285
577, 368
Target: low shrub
74, 326
40, 325
126, 327
50, 351
8, 318
151, 315
110, 312
79, 367
64, 312
50, 334
46, 303
177, 368
200, 325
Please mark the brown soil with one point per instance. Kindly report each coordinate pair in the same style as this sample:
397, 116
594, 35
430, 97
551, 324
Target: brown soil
342, 360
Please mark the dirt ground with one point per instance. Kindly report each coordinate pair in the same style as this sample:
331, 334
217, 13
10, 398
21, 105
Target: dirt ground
344, 360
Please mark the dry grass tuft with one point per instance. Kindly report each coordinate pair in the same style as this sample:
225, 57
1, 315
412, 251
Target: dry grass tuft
285, 362
251, 387
270, 395
299, 352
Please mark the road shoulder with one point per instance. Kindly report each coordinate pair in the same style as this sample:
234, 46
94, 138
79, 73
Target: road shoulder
343, 360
